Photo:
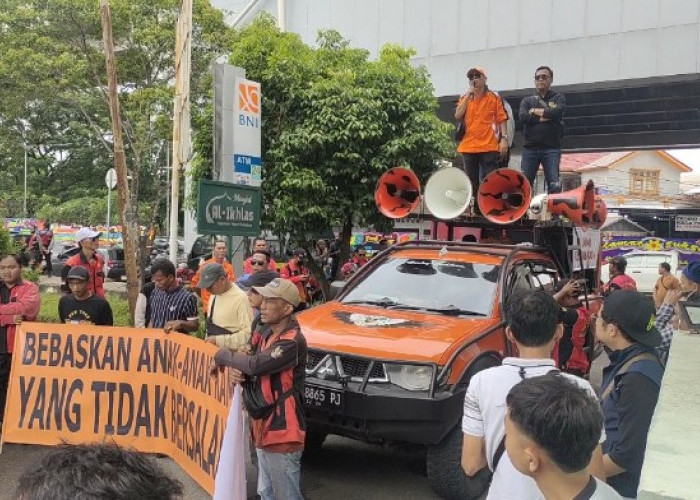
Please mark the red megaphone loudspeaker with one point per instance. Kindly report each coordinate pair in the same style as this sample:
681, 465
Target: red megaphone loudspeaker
600, 212
504, 196
397, 192
577, 205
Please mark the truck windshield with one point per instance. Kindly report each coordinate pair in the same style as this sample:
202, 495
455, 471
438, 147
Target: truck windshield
434, 286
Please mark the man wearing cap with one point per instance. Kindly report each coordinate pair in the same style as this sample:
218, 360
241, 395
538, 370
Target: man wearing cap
486, 137
618, 279
631, 383
542, 117
228, 317
81, 305
218, 255
275, 365
88, 257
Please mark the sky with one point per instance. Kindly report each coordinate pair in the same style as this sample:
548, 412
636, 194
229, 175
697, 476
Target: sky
690, 157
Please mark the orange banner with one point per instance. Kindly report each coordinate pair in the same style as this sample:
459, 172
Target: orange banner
136, 387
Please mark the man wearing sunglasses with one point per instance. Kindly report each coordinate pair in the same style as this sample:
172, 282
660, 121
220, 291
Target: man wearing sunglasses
88, 257
485, 139
542, 118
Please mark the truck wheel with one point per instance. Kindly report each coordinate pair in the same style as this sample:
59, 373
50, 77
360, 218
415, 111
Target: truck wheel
445, 474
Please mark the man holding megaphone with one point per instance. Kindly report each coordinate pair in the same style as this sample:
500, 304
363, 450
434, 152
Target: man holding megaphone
485, 139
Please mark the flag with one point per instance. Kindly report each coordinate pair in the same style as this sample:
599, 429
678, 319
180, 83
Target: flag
230, 483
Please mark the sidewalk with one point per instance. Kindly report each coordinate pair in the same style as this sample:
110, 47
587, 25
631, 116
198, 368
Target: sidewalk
672, 458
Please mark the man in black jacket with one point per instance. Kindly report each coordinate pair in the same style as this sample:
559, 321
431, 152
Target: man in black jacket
542, 118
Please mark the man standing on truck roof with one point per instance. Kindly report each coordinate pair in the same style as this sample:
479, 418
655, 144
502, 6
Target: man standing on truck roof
618, 279
534, 326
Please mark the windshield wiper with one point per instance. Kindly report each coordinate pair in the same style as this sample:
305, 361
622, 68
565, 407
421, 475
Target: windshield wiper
383, 302
448, 311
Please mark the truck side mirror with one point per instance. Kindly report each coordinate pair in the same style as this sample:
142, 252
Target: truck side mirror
336, 288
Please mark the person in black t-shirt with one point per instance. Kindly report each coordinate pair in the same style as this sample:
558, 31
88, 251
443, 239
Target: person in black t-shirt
82, 306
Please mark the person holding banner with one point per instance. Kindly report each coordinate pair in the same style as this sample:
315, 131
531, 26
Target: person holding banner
228, 317
274, 369
81, 305
172, 307
19, 301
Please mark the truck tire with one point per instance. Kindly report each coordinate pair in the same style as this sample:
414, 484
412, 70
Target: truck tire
445, 474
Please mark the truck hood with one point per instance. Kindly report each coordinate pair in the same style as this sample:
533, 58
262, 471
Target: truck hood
376, 332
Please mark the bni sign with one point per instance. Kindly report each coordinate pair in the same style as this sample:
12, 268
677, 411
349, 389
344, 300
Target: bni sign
247, 165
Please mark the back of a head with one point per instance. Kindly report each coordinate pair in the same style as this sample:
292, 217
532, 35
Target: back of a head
564, 419
532, 317
96, 472
619, 262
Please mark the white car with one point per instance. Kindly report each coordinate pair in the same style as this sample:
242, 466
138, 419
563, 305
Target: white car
644, 267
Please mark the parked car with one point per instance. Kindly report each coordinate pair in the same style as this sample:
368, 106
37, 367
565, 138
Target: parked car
114, 267
643, 266
390, 358
60, 255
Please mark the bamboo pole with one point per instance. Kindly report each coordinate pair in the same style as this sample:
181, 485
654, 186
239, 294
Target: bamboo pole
130, 232
181, 117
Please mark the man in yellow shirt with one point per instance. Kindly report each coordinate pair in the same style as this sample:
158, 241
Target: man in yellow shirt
229, 315
218, 255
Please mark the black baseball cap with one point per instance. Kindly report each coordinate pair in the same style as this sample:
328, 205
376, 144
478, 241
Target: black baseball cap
634, 314
78, 273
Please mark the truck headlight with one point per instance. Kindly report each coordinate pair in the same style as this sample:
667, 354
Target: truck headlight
410, 377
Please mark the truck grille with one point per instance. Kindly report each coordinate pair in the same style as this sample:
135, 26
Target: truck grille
355, 367
352, 367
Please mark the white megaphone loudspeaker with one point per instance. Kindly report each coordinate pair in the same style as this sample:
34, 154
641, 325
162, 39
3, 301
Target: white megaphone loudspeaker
504, 196
397, 192
448, 193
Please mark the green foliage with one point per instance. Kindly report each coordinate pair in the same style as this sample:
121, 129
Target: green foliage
29, 274
333, 122
7, 244
49, 308
52, 71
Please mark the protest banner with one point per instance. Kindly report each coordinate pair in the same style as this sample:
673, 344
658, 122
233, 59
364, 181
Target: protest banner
688, 248
139, 388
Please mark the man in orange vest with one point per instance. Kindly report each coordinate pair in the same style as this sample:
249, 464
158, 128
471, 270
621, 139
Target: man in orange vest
273, 368
218, 255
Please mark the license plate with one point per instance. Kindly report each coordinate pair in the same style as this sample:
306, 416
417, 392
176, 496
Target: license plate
323, 397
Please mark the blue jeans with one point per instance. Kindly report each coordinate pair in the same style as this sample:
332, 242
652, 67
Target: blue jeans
278, 475
549, 158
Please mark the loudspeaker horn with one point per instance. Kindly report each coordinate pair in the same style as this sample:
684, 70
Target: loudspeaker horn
577, 205
504, 196
600, 212
397, 192
448, 193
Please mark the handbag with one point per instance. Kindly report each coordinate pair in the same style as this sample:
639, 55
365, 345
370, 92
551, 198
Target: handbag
254, 400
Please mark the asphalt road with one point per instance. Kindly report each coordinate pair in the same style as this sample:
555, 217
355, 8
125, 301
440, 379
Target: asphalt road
343, 469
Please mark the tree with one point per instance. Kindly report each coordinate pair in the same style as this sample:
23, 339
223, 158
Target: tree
54, 102
333, 122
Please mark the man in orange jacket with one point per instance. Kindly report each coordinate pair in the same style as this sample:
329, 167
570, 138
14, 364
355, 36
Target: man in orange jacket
218, 255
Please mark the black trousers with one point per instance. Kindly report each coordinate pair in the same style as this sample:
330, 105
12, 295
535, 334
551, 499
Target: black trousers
5, 363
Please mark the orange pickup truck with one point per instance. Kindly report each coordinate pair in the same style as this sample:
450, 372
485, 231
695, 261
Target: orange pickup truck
391, 356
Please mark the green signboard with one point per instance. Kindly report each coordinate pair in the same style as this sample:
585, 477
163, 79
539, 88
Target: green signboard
228, 209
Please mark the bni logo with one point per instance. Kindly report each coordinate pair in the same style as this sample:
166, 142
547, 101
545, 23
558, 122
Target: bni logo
248, 98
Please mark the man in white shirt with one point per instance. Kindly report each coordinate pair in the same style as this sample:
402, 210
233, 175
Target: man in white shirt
534, 326
552, 428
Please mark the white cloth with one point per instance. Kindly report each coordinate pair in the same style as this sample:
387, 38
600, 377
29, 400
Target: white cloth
230, 481
484, 414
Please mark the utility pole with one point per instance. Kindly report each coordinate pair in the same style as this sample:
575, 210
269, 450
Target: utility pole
24, 204
181, 117
126, 213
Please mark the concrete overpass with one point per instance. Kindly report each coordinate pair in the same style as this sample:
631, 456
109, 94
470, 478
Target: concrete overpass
630, 68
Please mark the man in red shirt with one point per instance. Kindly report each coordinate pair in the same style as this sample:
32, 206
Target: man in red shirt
618, 279
218, 255
88, 257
